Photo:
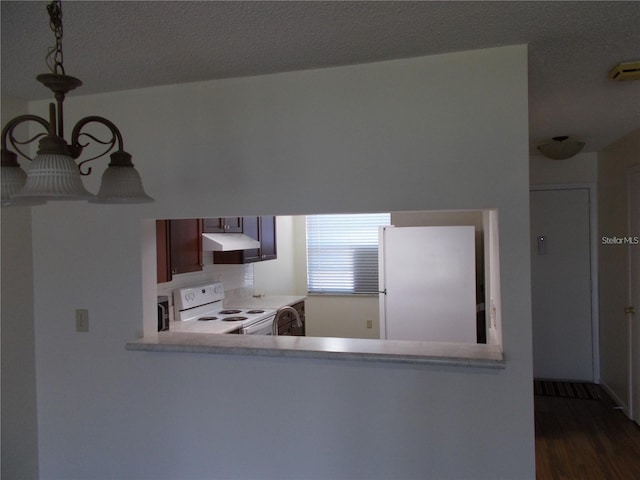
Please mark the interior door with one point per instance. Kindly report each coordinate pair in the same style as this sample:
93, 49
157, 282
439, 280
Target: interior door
561, 284
634, 290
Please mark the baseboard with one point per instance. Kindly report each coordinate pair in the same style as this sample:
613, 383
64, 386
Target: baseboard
616, 399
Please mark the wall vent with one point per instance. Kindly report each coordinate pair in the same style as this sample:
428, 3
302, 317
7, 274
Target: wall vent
626, 71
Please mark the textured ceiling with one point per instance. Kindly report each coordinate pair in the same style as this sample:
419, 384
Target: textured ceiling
122, 45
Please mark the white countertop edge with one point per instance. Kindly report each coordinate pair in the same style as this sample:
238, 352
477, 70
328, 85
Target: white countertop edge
356, 349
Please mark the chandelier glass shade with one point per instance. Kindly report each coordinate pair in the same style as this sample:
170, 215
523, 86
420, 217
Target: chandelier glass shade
121, 183
13, 179
53, 173
561, 148
52, 176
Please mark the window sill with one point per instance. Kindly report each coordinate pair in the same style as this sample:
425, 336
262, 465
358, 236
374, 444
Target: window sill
353, 349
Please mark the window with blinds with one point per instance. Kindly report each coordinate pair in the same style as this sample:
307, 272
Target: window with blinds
342, 253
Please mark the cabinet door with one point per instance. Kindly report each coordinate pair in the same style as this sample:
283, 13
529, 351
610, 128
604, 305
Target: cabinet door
162, 251
185, 245
284, 324
222, 225
268, 237
262, 229
287, 323
251, 228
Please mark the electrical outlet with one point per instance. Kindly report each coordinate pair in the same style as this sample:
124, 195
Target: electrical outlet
82, 320
369, 323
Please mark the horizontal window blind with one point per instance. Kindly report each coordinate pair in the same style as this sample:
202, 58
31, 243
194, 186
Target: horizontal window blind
342, 252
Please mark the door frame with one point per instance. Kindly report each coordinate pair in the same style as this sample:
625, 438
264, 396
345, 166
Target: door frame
633, 415
593, 268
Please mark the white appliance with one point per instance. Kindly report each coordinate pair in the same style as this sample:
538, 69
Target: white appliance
427, 283
199, 309
224, 242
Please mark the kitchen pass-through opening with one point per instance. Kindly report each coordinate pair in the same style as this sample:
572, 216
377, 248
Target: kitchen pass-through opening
474, 232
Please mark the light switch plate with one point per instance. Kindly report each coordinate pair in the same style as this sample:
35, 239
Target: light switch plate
82, 320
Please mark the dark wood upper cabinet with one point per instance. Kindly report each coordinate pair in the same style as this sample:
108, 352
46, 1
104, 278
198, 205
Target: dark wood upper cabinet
251, 228
162, 251
179, 247
222, 225
267, 237
186, 245
261, 228
179, 243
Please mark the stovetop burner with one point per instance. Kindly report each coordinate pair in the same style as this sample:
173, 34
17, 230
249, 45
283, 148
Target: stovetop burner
234, 319
200, 309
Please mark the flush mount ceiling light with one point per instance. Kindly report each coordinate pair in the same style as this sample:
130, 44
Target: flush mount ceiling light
53, 173
561, 148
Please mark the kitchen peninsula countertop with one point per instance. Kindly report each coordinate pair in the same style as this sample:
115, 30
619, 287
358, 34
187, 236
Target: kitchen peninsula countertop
354, 349
263, 301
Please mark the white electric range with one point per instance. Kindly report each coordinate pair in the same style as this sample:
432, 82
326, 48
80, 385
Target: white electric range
199, 309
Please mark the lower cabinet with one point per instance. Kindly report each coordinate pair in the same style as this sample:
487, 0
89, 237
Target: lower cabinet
287, 322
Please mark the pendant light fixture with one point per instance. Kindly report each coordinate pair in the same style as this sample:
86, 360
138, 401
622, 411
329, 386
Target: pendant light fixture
53, 173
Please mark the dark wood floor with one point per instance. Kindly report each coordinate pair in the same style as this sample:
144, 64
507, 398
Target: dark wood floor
585, 439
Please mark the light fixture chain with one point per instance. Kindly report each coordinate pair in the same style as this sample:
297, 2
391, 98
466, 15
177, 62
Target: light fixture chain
55, 57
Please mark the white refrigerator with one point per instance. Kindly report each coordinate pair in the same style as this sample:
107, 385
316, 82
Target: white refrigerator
427, 283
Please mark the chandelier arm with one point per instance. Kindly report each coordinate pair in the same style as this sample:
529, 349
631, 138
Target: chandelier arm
76, 147
16, 144
7, 132
111, 144
112, 141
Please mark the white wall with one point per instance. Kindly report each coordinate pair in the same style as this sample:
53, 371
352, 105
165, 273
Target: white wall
19, 418
614, 163
583, 168
343, 316
402, 135
493, 285
278, 276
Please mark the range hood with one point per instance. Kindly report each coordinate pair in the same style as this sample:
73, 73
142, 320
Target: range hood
223, 242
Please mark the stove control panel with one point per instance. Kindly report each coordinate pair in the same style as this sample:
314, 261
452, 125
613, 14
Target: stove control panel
185, 298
